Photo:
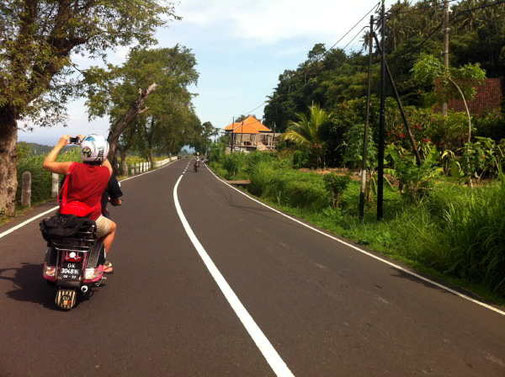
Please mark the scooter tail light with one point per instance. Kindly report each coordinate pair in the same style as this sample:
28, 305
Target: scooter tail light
90, 273
49, 271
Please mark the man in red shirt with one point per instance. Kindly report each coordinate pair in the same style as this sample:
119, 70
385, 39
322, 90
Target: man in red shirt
85, 183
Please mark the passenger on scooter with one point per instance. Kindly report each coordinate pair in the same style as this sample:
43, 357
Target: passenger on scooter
85, 183
111, 195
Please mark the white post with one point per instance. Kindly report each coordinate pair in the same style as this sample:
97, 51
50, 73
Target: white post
55, 183
26, 190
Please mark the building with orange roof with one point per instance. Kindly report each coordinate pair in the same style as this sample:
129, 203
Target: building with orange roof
250, 135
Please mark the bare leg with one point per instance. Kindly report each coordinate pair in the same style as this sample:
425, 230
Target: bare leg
109, 238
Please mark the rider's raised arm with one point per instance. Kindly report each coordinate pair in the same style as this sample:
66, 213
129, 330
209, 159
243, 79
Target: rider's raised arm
50, 162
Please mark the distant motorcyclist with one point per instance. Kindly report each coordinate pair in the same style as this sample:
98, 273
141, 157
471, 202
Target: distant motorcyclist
85, 183
196, 164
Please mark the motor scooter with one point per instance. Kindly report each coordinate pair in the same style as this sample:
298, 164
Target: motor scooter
74, 265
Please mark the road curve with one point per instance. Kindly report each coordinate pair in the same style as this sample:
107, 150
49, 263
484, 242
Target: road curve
326, 309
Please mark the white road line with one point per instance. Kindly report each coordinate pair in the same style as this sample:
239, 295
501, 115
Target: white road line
31, 219
268, 351
398, 267
14, 228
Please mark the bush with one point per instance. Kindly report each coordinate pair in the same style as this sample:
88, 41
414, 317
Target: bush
217, 151
415, 182
289, 187
336, 185
491, 125
233, 163
353, 151
301, 159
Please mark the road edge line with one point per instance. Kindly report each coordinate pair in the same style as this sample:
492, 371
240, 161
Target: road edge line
398, 267
31, 219
272, 357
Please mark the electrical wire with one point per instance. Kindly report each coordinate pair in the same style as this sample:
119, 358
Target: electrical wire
353, 27
374, 8
356, 36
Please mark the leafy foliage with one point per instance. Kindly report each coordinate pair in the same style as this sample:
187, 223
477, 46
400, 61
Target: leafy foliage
306, 132
336, 185
415, 181
169, 121
39, 37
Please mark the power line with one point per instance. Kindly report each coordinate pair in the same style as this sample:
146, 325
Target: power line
352, 28
356, 36
256, 108
374, 8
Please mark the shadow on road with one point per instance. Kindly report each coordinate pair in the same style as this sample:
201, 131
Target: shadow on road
29, 285
404, 275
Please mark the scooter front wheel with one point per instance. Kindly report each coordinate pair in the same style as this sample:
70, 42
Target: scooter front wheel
65, 298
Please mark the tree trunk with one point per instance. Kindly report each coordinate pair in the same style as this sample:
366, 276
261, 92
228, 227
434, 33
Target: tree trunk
123, 166
8, 160
119, 126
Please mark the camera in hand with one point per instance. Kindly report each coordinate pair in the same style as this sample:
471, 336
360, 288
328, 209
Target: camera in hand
74, 140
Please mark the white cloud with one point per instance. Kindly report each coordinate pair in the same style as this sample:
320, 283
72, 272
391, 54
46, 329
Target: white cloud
271, 21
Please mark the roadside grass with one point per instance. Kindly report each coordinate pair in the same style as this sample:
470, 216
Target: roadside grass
455, 234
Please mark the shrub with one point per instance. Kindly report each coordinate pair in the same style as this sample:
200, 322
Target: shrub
415, 181
233, 163
289, 187
353, 151
217, 151
261, 177
336, 185
301, 159
491, 125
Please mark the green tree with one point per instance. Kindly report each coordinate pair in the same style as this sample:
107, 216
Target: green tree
37, 40
164, 113
306, 132
450, 82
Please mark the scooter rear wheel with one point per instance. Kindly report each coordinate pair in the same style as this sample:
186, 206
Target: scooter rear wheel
65, 298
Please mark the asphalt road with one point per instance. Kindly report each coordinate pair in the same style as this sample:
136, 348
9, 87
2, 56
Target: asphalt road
323, 308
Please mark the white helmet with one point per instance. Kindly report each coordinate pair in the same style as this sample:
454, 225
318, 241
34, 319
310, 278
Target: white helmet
94, 148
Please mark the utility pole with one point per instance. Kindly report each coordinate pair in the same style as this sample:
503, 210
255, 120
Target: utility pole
364, 169
381, 146
446, 47
400, 107
232, 136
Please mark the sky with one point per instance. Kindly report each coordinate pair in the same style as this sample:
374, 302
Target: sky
241, 47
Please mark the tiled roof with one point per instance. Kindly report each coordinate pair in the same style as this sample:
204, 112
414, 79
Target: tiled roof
250, 125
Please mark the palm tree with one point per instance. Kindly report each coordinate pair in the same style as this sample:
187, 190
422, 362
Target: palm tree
306, 132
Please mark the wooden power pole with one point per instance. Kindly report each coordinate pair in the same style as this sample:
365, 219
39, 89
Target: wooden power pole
364, 167
446, 47
382, 119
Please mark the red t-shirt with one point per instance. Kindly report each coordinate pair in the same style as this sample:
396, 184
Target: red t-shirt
82, 191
